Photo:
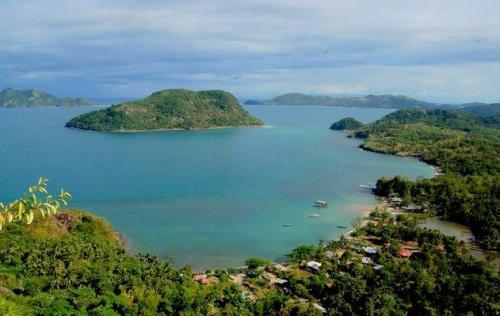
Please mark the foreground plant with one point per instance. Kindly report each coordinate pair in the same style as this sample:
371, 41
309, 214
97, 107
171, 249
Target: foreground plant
36, 202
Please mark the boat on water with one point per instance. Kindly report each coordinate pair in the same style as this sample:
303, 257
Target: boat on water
340, 226
287, 225
320, 203
314, 215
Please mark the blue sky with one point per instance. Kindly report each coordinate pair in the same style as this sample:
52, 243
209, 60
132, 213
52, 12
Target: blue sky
443, 51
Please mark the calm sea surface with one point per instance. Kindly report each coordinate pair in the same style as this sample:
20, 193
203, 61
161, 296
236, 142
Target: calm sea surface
208, 198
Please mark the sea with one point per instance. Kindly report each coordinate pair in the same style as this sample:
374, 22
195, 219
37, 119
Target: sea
208, 199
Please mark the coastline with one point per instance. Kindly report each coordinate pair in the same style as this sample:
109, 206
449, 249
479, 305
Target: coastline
134, 131
437, 169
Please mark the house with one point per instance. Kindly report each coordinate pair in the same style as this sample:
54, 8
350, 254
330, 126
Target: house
413, 207
319, 307
314, 265
202, 278
396, 200
406, 253
367, 260
281, 281
329, 254
378, 267
370, 250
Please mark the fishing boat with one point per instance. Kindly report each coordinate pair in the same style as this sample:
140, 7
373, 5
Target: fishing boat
314, 215
320, 203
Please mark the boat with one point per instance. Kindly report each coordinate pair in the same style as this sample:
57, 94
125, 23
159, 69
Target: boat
314, 215
320, 203
287, 225
340, 226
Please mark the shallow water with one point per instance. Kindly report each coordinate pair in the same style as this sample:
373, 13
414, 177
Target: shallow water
207, 198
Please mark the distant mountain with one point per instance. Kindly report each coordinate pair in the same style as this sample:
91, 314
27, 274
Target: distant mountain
369, 101
169, 109
29, 98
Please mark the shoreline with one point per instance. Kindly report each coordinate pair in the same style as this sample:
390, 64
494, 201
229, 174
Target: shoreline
134, 131
438, 171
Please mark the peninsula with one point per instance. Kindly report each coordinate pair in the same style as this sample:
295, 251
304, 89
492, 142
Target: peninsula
465, 148
169, 109
11, 98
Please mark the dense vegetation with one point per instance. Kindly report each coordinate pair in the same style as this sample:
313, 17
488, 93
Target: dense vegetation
20, 98
169, 109
74, 264
483, 109
466, 147
347, 123
369, 101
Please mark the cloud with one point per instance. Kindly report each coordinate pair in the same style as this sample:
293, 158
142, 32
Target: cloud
254, 48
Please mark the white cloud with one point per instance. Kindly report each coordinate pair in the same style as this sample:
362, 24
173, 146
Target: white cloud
254, 47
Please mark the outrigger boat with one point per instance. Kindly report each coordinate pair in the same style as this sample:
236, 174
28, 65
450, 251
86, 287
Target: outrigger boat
320, 203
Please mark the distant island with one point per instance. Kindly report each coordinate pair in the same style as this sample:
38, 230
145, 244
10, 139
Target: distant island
375, 101
30, 98
169, 109
369, 101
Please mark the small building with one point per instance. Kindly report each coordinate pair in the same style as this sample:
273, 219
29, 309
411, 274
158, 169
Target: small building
279, 267
378, 267
366, 260
319, 307
314, 265
396, 200
406, 253
202, 278
370, 250
281, 281
329, 254
413, 207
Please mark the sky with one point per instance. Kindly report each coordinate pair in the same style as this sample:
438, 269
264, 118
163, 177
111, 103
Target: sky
441, 51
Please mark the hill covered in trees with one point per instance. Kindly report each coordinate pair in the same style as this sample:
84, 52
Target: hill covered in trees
169, 109
30, 98
464, 146
73, 263
347, 123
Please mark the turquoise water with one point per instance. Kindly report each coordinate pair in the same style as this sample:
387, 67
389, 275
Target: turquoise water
207, 198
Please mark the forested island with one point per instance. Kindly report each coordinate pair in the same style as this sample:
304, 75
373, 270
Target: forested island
30, 98
169, 109
464, 146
